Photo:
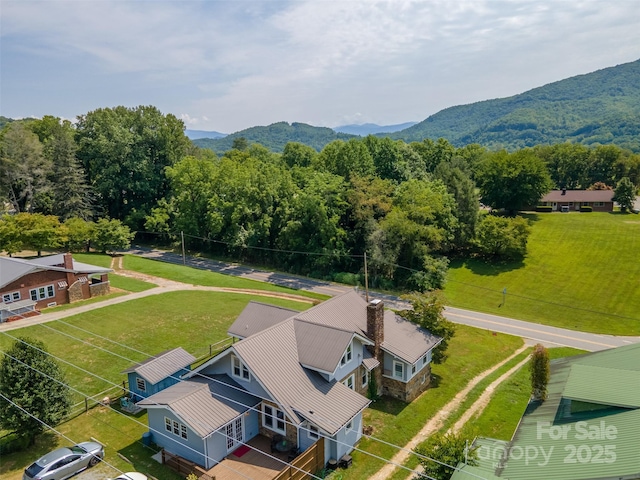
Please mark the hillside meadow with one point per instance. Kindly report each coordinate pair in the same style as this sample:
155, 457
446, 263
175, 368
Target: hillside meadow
581, 271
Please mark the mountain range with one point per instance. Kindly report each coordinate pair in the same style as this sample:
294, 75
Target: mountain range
597, 108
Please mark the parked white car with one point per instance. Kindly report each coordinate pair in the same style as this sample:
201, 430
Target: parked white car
131, 476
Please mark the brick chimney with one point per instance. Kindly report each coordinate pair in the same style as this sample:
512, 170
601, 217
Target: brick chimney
68, 264
375, 325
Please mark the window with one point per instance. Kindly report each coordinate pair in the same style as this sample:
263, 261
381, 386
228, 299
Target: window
239, 369
413, 369
598, 204
348, 355
349, 426
11, 297
313, 432
141, 384
41, 293
398, 370
365, 377
349, 382
427, 358
273, 418
176, 428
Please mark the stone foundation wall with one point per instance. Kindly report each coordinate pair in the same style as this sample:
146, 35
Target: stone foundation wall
407, 392
99, 289
74, 292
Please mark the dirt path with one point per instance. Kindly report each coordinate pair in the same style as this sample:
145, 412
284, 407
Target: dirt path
438, 420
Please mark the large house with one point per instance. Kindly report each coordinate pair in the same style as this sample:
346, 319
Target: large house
572, 200
29, 285
295, 376
587, 429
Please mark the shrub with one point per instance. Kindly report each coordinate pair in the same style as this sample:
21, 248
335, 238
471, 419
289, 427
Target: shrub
14, 443
347, 278
586, 208
544, 208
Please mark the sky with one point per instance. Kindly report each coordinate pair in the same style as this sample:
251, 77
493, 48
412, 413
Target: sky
230, 65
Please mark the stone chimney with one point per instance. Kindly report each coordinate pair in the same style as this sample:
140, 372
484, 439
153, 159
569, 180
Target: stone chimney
375, 325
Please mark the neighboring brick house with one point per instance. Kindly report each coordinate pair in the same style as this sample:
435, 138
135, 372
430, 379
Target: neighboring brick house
47, 281
293, 374
572, 200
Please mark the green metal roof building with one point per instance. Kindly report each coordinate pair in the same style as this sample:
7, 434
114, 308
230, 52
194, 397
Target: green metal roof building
587, 429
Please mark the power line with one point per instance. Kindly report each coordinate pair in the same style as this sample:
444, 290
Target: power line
227, 385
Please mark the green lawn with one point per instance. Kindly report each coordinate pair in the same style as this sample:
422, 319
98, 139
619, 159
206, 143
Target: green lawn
192, 320
581, 272
470, 352
196, 276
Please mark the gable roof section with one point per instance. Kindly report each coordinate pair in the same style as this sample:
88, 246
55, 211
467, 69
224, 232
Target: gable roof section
12, 269
162, 365
602, 385
258, 316
579, 196
348, 311
272, 356
406, 340
206, 405
320, 347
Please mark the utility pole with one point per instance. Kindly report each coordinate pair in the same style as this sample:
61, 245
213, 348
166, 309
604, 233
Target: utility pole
366, 278
184, 258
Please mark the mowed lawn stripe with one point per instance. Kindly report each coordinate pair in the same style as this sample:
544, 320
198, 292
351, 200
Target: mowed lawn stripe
582, 272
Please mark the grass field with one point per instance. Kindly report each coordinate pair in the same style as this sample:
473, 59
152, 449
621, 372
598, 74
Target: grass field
470, 352
582, 271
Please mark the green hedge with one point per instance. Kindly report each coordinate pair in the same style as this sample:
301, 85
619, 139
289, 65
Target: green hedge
544, 208
585, 208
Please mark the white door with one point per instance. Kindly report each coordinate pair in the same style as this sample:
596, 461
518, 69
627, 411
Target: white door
234, 434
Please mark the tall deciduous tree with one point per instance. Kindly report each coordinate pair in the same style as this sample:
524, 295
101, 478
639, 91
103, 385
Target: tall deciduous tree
512, 181
125, 152
427, 311
30, 378
111, 236
539, 366
625, 194
502, 238
40, 232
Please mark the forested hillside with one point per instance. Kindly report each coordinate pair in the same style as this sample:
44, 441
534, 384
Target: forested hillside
276, 136
598, 108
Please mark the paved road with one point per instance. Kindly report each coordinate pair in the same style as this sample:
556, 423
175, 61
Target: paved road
533, 331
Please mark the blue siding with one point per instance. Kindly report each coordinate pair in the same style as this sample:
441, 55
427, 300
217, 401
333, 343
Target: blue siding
192, 448
152, 388
356, 360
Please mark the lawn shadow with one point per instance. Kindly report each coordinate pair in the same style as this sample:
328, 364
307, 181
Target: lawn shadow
390, 405
139, 456
484, 267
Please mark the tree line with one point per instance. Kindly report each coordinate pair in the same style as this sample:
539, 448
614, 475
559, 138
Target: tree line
409, 206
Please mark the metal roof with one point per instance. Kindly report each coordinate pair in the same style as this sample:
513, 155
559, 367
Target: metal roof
579, 196
597, 443
162, 365
272, 357
406, 340
320, 347
206, 405
12, 269
17, 305
603, 385
258, 316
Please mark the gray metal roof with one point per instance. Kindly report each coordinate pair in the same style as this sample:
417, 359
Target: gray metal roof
272, 357
162, 365
406, 340
348, 311
320, 347
17, 305
206, 405
369, 361
12, 269
258, 316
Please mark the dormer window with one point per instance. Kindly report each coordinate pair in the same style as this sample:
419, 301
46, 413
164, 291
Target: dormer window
348, 355
239, 369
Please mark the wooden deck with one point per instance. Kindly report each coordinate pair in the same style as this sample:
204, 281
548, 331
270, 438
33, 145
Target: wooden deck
256, 464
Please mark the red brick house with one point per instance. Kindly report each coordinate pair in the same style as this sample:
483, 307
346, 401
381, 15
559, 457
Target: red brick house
26, 285
572, 200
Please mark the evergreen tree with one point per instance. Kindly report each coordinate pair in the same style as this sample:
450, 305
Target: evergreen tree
539, 365
30, 378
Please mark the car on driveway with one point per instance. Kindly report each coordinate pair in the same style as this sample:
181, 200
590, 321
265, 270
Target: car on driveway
65, 462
